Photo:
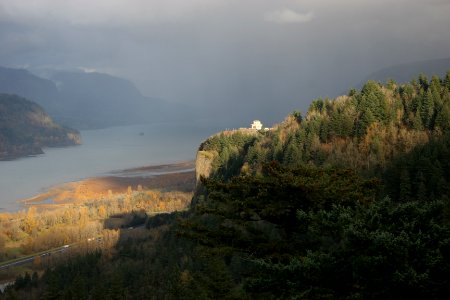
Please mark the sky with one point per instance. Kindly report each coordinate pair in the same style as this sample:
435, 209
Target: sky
244, 58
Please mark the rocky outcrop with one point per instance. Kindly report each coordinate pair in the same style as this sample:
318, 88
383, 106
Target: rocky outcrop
203, 163
221, 152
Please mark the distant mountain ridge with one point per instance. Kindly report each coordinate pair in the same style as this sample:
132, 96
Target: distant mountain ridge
102, 100
403, 73
25, 128
25, 84
89, 100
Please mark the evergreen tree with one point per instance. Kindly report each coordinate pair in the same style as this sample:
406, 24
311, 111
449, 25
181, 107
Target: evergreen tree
421, 194
427, 109
324, 130
405, 186
417, 121
292, 155
391, 84
423, 82
447, 80
366, 119
443, 117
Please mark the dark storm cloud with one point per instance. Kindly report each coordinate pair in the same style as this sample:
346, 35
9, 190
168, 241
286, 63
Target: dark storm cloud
267, 57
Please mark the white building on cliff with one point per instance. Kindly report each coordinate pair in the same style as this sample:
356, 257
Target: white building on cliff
257, 125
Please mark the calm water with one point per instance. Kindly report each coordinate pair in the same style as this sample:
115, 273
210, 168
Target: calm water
102, 151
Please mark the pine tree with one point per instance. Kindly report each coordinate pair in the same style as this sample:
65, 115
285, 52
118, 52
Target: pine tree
436, 91
423, 81
292, 155
443, 117
442, 187
405, 186
421, 194
53, 290
427, 109
324, 131
417, 121
391, 84
11, 294
366, 119
447, 80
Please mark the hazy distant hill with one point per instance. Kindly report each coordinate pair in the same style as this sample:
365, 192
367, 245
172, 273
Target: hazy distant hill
22, 82
100, 100
25, 128
90, 100
405, 72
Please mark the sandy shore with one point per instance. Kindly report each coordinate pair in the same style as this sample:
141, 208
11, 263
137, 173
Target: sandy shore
167, 177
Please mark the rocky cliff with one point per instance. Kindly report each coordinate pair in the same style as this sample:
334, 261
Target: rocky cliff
222, 153
203, 163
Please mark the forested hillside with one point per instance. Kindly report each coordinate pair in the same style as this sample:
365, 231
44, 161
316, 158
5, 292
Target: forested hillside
350, 201
25, 128
364, 130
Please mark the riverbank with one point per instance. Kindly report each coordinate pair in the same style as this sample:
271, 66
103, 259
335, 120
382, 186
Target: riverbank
167, 177
91, 213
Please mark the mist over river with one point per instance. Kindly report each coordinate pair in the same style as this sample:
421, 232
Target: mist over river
102, 151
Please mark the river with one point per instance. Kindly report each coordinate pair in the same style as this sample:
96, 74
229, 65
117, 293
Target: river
102, 151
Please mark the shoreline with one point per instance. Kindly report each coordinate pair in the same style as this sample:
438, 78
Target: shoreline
163, 167
175, 176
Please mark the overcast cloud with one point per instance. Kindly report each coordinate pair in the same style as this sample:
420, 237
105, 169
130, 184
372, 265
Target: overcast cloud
289, 16
266, 56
